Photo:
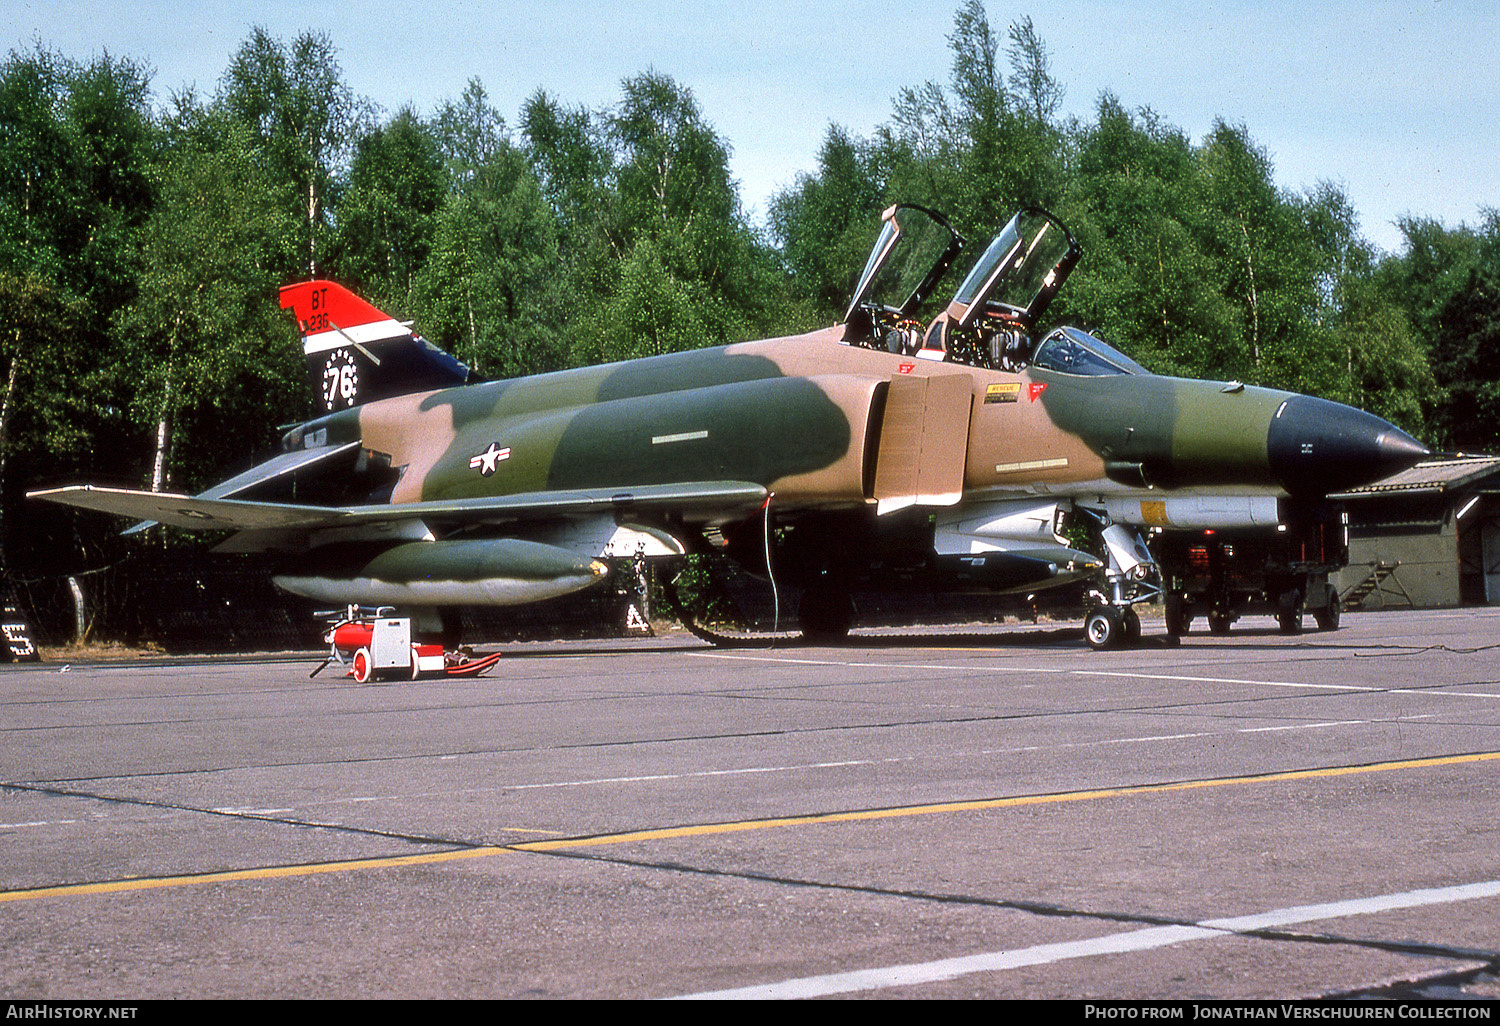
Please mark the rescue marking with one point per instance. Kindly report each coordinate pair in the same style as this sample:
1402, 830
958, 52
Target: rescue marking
685, 436
743, 826
1016, 468
1109, 944
1002, 392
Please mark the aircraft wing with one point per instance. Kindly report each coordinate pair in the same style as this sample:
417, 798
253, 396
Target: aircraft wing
191, 512
286, 465
703, 500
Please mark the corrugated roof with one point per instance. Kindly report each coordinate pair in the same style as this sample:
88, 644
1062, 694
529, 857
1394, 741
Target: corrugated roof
1436, 475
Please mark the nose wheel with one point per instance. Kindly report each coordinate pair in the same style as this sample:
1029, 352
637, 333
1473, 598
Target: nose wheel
1108, 627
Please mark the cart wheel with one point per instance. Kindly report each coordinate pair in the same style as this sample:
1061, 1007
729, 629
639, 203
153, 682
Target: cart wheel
362, 666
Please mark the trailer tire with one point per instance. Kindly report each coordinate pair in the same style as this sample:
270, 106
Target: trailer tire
1327, 618
1289, 611
1179, 620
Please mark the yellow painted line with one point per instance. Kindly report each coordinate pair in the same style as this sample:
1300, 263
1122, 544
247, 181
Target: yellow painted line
235, 875
713, 829
982, 804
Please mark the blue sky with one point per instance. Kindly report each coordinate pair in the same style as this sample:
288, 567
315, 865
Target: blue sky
1397, 101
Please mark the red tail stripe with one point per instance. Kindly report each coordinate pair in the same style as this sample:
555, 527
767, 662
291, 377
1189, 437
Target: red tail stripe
324, 305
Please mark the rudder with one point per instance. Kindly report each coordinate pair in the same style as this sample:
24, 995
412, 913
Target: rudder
356, 353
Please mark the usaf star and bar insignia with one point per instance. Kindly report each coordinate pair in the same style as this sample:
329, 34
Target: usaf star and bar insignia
487, 461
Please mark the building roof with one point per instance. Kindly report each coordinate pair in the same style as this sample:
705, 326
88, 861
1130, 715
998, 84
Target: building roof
1436, 476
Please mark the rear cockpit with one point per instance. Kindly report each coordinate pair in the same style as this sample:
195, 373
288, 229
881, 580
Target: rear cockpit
915, 248
992, 320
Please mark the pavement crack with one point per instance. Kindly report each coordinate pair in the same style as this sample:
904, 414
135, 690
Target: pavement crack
1406, 947
243, 814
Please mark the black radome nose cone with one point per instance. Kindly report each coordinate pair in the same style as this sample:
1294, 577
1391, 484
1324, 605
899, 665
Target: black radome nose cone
1318, 447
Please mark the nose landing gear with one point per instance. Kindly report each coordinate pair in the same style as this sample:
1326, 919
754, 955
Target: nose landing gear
1130, 577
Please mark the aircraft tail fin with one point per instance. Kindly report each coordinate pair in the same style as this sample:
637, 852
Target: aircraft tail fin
357, 354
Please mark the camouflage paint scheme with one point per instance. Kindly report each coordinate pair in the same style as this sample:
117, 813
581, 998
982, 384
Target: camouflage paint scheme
801, 416
948, 458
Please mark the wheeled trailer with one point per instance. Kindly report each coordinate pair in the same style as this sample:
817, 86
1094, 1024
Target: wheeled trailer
1281, 571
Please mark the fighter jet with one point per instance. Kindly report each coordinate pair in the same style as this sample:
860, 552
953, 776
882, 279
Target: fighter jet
881, 452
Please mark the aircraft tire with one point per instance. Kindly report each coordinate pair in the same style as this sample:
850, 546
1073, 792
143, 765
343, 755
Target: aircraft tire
1218, 623
826, 615
1104, 627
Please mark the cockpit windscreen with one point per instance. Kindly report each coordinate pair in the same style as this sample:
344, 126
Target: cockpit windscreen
1074, 351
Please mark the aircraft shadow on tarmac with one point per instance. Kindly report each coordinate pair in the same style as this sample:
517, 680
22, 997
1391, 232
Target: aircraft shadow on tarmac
1040, 637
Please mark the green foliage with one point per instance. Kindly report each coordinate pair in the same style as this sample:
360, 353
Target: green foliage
388, 215
1444, 284
652, 310
487, 293
1385, 367
826, 222
205, 336
1146, 282
76, 145
50, 389
1466, 362
303, 118
141, 250
652, 238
